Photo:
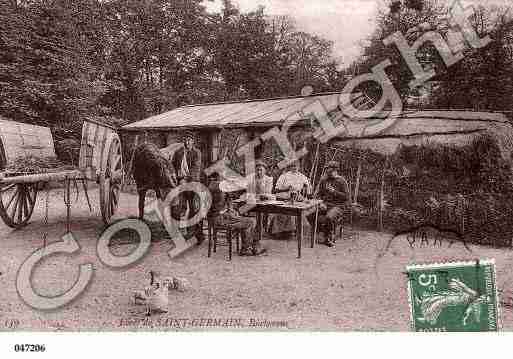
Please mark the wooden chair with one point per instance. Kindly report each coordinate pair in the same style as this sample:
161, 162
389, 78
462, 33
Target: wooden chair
229, 234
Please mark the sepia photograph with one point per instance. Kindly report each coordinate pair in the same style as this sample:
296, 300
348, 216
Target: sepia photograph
273, 166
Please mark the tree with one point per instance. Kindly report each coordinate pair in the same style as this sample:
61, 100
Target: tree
157, 52
47, 76
243, 53
259, 56
401, 19
483, 80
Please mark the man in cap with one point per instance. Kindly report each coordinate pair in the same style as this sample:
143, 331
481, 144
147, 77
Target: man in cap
334, 191
222, 213
187, 166
187, 160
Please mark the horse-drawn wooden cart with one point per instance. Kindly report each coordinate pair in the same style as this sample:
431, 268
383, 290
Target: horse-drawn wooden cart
100, 160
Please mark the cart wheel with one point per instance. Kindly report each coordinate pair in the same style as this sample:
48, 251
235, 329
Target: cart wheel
111, 181
17, 203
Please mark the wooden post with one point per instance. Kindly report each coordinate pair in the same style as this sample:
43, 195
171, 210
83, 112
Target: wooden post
299, 232
67, 201
314, 165
380, 209
357, 184
214, 143
314, 226
381, 197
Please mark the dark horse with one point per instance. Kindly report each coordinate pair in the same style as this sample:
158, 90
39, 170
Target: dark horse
151, 171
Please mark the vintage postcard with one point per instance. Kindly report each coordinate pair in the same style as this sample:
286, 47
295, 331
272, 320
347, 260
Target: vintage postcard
256, 166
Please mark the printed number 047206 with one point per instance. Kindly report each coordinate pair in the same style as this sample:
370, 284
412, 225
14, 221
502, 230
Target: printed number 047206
29, 348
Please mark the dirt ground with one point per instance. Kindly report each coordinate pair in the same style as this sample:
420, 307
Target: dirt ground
350, 287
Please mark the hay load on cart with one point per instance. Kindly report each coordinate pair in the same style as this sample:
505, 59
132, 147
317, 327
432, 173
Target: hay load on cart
28, 160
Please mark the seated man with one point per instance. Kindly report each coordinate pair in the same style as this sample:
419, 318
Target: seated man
259, 183
222, 213
334, 191
293, 180
260, 187
290, 181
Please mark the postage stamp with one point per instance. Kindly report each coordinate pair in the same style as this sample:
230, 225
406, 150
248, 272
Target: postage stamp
453, 297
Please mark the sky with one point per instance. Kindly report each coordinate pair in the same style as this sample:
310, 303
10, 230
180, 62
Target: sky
345, 22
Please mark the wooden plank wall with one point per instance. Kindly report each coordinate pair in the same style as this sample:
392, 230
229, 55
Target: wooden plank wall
21, 139
94, 145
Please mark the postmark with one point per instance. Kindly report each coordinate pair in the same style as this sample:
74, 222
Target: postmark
453, 297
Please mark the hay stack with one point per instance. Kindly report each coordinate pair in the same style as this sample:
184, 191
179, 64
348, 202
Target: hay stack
35, 165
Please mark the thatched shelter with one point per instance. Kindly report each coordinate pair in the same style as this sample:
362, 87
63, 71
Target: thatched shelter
451, 169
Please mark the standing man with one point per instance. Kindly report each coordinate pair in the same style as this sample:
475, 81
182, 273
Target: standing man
187, 165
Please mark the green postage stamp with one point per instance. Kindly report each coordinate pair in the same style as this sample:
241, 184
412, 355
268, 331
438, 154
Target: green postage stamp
453, 297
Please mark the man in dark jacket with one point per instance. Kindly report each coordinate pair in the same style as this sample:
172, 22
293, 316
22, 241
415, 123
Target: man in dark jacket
187, 160
334, 191
187, 166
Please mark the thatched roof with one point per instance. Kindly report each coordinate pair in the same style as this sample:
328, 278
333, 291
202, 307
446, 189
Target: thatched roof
437, 127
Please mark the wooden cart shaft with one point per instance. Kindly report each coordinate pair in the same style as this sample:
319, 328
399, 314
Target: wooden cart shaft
45, 177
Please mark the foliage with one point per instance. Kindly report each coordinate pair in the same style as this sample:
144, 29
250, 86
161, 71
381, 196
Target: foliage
482, 80
445, 169
259, 56
64, 60
465, 189
46, 74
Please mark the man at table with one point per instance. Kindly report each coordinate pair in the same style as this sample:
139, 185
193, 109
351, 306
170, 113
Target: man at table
259, 183
334, 191
290, 181
222, 213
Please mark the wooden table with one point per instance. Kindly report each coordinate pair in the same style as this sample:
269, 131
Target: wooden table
296, 209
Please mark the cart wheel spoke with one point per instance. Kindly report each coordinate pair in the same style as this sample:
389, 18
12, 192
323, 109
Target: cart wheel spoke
31, 196
115, 197
117, 162
20, 205
12, 197
26, 201
15, 207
